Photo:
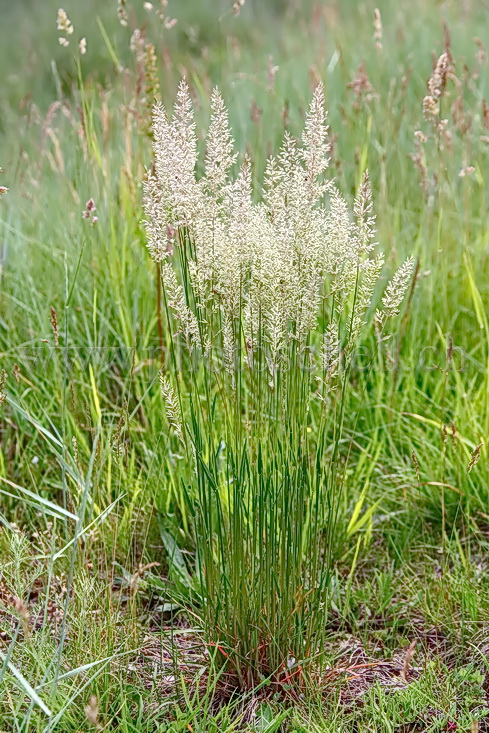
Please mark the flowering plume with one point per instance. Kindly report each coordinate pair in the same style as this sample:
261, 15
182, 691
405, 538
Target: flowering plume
436, 85
172, 406
122, 12
63, 23
377, 28
65, 26
89, 211
271, 266
220, 155
3, 379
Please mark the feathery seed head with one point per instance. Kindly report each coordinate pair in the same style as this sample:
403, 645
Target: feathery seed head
3, 189
122, 12
220, 155
3, 379
136, 42
475, 457
237, 6
172, 405
395, 291
438, 79
63, 23
431, 107
377, 28
150, 65
436, 85
92, 712
89, 211
315, 138
270, 263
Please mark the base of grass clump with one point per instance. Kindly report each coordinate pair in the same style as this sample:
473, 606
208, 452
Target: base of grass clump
148, 661
427, 685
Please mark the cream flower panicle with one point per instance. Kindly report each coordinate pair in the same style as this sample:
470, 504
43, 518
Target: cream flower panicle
220, 155
270, 264
63, 23
173, 412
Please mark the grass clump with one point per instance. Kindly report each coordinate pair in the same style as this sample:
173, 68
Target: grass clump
270, 299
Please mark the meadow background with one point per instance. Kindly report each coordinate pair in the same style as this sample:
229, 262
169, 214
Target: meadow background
90, 627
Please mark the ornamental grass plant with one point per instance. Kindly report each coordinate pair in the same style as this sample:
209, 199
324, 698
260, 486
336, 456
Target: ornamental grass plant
266, 294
